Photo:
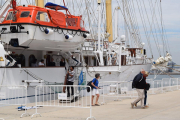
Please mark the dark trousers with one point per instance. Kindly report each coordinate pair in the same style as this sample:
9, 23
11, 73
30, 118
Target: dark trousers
72, 89
145, 97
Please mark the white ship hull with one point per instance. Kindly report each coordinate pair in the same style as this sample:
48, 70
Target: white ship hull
15, 76
111, 73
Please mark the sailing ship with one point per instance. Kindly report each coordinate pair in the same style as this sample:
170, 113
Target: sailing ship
34, 32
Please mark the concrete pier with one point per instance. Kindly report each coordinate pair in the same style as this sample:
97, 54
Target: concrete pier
165, 106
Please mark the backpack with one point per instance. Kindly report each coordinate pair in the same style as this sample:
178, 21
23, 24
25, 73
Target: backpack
136, 80
89, 84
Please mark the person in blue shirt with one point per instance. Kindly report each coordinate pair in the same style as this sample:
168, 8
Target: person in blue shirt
95, 90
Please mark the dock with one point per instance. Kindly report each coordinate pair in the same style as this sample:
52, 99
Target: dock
164, 106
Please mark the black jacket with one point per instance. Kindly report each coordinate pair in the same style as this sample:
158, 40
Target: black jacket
62, 64
141, 84
139, 81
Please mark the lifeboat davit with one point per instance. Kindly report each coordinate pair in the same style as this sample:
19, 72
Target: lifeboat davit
46, 28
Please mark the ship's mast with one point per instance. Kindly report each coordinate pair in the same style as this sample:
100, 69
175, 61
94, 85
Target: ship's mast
109, 19
40, 3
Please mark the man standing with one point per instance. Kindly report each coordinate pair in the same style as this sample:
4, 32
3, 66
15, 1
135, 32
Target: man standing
95, 90
139, 83
52, 63
62, 63
70, 80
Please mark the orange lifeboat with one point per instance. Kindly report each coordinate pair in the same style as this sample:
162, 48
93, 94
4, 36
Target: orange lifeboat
43, 28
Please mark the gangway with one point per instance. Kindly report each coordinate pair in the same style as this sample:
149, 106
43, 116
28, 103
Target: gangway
4, 8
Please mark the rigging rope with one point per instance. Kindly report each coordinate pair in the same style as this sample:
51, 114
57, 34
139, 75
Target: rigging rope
144, 26
151, 27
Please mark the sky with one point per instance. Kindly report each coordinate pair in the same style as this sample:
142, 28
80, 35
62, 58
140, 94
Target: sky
171, 19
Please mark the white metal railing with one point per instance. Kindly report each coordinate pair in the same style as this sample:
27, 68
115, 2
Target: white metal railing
116, 90
119, 89
174, 84
179, 83
14, 95
151, 82
56, 96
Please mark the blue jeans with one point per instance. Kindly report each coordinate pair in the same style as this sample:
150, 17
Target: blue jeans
145, 97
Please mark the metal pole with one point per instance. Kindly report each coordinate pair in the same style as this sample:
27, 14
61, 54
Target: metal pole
36, 98
103, 93
90, 105
153, 88
117, 90
109, 19
99, 24
162, 85
116, 22
170, 84
119, 58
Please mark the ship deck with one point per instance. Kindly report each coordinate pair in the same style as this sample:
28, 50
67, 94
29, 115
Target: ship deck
165, 106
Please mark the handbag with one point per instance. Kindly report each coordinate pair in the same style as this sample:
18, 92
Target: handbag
147, 86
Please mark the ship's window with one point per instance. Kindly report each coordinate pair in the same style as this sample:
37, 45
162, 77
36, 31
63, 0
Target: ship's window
71, 21
10, 16
42, 16
25, 14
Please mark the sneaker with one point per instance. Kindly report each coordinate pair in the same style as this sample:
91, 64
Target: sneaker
132, 106
146, 106
143, 107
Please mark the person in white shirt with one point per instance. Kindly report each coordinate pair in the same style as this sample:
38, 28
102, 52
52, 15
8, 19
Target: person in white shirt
70, 80
41, 63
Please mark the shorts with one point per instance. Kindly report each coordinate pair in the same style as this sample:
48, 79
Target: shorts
94, 92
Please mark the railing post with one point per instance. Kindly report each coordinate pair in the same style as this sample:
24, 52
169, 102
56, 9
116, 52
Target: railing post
170, 84
177, 83
103, 93
90, 105
117, 90
36, 103
162, 85
153, 87
25, 103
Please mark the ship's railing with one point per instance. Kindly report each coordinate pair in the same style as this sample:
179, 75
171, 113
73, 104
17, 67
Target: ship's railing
56, 96
14, 96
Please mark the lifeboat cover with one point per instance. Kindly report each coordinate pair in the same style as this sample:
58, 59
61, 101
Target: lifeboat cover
55, 6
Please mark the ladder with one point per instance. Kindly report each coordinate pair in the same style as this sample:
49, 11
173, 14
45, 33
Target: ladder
4, 8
